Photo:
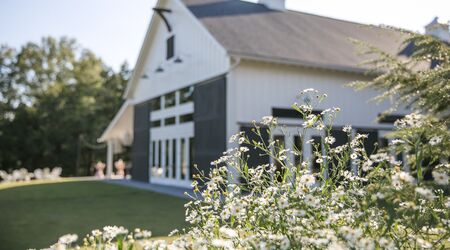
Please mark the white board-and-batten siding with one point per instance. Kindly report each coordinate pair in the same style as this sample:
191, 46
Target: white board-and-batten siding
258, 87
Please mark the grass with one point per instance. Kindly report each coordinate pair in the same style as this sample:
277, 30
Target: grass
34, 216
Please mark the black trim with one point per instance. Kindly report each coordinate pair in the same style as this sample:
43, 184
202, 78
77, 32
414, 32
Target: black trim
141, 142
290, 113
389, 118
160, 12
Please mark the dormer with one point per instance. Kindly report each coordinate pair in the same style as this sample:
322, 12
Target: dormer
438, 30
274, 4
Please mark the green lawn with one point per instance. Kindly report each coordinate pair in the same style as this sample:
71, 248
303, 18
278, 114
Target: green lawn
34, 216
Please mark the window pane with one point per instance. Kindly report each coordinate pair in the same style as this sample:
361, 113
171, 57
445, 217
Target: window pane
298, 149
370, 142
159, 158
191, 157
186, 118
167, 158
383, 142
183, 157
153, 153
279, 145
317, 140
170, 47
341, 138
174, 158
187, 94
169, 121
155, 104
155, 124
169, 100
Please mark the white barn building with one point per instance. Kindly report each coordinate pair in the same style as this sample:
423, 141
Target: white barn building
207, 68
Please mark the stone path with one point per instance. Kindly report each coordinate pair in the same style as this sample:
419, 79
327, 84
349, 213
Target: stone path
172, 191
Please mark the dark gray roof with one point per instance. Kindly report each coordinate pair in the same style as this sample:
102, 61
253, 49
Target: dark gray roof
255, 31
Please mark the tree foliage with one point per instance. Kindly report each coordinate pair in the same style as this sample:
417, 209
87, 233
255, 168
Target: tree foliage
419, 80
55, 100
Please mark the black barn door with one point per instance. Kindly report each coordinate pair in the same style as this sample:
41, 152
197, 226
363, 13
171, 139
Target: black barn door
141, 139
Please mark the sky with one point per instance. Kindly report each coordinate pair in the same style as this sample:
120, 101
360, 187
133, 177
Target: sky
115, 29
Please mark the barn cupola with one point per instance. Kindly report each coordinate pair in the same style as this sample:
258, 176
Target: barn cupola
274, 4
438, 30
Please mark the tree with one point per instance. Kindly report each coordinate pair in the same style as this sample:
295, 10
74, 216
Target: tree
421, 82
55, 100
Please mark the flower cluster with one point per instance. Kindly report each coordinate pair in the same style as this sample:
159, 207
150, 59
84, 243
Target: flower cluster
354, 200
110, 238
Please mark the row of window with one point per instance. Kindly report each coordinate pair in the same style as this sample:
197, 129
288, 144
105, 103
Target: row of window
371, 144
169, 168
172, 120
170, 100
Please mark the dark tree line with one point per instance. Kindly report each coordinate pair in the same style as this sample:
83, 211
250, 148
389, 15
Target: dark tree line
55, 100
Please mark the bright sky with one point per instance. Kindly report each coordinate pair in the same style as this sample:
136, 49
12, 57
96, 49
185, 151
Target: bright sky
114, 29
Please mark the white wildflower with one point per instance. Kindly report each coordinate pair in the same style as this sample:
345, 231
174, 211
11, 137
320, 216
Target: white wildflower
401, 178
320, 126
367, 244
243, 149
397, 141
110, 232
330, 140
435, 140
426, 193
228, 232
307, 180
225, 214
347, 129
305, 164
269, 121
423, 243
367, 165
282, 157
440, 178
96, 232
68, 239
283, 202
227, 244
312, 201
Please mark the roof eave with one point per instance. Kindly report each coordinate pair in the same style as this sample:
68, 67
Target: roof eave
286, 61
104, 137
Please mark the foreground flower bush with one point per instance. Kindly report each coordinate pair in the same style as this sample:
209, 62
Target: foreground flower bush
110, 237
352, 201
